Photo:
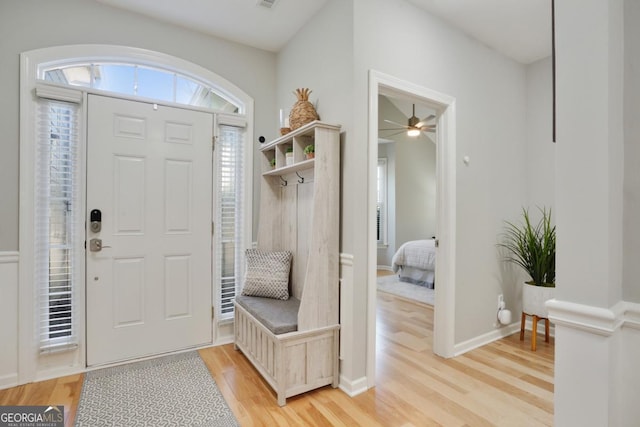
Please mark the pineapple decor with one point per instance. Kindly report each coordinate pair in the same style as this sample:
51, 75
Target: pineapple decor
302, 111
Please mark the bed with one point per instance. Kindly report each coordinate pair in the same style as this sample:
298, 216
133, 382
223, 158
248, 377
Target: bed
415, 262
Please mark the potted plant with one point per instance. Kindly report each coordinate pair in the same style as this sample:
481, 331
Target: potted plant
272, 162
310, 151
533, 247
289, 155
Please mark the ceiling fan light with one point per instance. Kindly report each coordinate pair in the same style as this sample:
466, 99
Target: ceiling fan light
413, 132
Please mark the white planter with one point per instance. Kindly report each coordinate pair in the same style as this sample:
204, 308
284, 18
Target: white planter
534, 298
289, 159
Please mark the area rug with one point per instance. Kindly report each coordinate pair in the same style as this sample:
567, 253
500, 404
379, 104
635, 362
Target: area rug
175, 390
392, 285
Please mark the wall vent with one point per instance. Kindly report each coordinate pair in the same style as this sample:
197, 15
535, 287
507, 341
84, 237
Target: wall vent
267, 3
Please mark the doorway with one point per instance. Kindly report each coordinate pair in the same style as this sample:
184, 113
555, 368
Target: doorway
444, 105
148, 257
66, 75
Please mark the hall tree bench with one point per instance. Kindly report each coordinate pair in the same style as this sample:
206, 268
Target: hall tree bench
293, 341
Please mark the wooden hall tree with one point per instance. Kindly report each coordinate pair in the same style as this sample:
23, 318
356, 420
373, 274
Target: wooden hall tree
299, 212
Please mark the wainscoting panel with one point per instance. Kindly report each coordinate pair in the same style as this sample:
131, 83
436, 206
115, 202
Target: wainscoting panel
600, 347
350, 385
629, 374
9, 319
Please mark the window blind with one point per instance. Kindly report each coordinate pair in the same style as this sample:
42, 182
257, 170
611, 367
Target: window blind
229, 216
56, 216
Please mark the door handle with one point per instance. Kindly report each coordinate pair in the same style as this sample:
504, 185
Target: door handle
95, 245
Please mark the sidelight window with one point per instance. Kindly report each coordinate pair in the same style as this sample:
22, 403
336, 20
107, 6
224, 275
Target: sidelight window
230, 216
56, 217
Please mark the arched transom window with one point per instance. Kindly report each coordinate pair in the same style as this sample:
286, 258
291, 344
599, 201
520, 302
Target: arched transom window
140, 81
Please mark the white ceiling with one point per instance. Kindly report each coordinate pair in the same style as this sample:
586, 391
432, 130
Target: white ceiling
520, 29
242, 21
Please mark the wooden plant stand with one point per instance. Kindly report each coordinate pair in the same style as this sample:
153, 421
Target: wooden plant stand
534, 329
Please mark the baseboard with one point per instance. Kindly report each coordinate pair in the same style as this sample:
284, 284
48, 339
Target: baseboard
385, 268
353, 388
8, 381
59, 371
498, 334
485, 339
223, 341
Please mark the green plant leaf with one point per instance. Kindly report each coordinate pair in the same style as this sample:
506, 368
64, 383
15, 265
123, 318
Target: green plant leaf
532, 247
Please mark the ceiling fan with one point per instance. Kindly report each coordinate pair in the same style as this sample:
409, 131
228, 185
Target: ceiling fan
414, 125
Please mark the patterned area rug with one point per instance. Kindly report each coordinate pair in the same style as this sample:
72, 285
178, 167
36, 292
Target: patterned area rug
392, 285
175, 390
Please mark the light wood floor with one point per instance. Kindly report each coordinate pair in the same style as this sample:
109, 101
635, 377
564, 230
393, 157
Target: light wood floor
502, 384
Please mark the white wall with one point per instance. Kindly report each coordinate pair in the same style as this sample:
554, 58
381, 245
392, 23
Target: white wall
413, 185
415, 189
415, 180
26, 25
319, 57
631, 287
490, 95
628, 375
490, 92
540, 148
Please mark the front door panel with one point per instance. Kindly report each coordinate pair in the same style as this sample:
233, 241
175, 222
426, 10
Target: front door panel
149, 278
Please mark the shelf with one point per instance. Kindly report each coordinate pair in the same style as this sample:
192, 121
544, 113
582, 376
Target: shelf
307, 129
306, 164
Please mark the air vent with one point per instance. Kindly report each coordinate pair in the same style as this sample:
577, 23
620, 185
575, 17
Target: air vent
267, 3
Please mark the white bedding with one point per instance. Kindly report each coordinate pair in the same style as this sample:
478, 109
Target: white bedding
416, 253
415, 262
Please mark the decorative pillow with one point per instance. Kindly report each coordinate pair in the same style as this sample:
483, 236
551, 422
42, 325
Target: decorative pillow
267, 274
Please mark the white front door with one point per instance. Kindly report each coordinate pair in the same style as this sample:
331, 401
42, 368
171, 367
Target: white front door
149, 174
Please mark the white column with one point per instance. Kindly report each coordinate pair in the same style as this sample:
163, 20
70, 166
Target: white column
589, 203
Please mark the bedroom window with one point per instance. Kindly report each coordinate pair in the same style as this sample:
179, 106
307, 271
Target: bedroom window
381, 206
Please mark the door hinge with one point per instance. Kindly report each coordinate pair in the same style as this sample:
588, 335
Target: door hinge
213, 312
437, 243
213, 142
213, 228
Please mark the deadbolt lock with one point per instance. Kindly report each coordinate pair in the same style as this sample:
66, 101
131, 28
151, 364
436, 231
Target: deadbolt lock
96, 220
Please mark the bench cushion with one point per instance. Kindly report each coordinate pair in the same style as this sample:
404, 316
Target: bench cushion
279, 316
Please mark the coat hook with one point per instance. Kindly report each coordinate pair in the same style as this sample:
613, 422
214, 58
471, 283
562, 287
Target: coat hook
283, 181
300, 178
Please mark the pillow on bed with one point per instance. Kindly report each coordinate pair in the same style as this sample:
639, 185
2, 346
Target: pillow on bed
267, 274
